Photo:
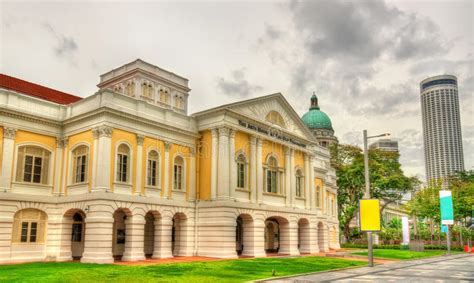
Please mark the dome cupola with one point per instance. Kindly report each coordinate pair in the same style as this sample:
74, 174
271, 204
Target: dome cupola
315, 118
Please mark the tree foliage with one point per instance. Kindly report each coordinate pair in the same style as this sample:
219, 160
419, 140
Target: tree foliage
388, 183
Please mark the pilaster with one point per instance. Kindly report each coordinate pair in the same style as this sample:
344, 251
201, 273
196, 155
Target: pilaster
167, 188
232, 165
259, 172
138, 182
192, 175
224, 160
288, 193
214, 155
9, 135
253, 169
104, 149
307, 178
62, 172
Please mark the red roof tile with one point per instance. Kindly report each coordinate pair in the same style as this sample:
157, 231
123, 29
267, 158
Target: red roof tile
36, 90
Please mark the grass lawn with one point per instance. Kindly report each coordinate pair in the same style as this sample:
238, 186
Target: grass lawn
210, 271
401, 254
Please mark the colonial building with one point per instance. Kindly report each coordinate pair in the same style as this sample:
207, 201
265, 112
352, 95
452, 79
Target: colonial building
126, 174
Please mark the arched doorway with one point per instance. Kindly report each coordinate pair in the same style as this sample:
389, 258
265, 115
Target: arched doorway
243, 234
119, 229
321, 236
277, 235
77, 235
149, 237
179, 234
303, 236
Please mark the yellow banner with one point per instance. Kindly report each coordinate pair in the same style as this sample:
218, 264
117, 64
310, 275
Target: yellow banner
369, 214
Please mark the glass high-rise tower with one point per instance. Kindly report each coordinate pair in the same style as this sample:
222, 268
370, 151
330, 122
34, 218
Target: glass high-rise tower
441, 126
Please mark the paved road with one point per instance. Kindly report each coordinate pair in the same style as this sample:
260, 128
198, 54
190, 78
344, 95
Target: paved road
457, 268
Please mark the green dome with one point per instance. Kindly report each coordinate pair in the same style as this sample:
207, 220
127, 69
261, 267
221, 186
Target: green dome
315, 118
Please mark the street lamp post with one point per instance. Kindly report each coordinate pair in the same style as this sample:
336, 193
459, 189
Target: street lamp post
367, 189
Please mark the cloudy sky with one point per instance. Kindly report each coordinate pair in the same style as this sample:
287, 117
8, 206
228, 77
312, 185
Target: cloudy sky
364, 59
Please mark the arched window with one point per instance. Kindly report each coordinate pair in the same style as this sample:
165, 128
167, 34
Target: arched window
153, 168
318, 196
275, 118
79, 167
123, 160
29, 226
144, 90
241, 171
164, 96
178, 173
33, 164
272, 175
130, 89
299, 183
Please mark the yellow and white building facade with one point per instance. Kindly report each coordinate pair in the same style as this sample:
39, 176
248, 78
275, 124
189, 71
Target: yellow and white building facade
126, 174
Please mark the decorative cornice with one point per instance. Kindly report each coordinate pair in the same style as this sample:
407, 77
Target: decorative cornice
140, 139
9, 133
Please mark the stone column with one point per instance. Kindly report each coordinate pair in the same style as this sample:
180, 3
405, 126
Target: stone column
214, 155
223, 170
313, 234
95, 154
138, 182
192, 174
102, 174
289, 238
312, 185
288, 172
232, 165
253, 169
258, 240
292, 178
167, 188
163, 231
98, 236
259, 172
63, 173
135, 238
7, 158
307, 184
58, 160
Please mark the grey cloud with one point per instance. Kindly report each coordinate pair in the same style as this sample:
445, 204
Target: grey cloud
65, 45
237, 84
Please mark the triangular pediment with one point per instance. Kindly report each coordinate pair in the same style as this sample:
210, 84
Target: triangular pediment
258, 108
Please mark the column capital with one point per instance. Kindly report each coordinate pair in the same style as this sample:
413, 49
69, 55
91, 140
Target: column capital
253, 139
9, 133
224, 131
167, 146
61, 142
259, 142
95, 133
214, 132
140, 139
192, 151
104, 131
232, 133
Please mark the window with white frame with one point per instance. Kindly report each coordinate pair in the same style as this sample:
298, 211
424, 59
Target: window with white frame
79, 167
272, 175
29, 226
33, 165
178, 173
153, 169
299, 183
123, 166
241, 174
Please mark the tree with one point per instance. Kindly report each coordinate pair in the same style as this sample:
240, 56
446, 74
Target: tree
388, 183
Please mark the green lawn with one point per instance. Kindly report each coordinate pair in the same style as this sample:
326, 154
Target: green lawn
401, 254
211, 271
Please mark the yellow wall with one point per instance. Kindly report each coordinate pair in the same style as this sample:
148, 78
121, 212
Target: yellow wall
23, 136
299, 160
131, 138
269, 147
204, 159
242, 142
85, 137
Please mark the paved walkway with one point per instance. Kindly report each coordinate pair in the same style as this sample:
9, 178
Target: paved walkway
455, 268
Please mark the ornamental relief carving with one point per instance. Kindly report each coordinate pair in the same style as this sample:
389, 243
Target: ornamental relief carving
9, 133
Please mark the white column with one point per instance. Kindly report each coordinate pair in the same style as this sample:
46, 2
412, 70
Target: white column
95, 154
292, 178
138, 182
167, 188
135, 237
259, 172
63, 173
6, 226
232, 165
253, 169
257, 237
58, 158
307, 178
223, 170
312, 185
163, 233
288, 193
192, 175
98, 236
102, 174
214, 154
7, 158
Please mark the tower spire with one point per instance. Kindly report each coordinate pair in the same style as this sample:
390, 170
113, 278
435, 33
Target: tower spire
314, 102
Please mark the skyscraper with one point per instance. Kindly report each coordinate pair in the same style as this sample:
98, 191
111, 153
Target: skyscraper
385, 144
441, 126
